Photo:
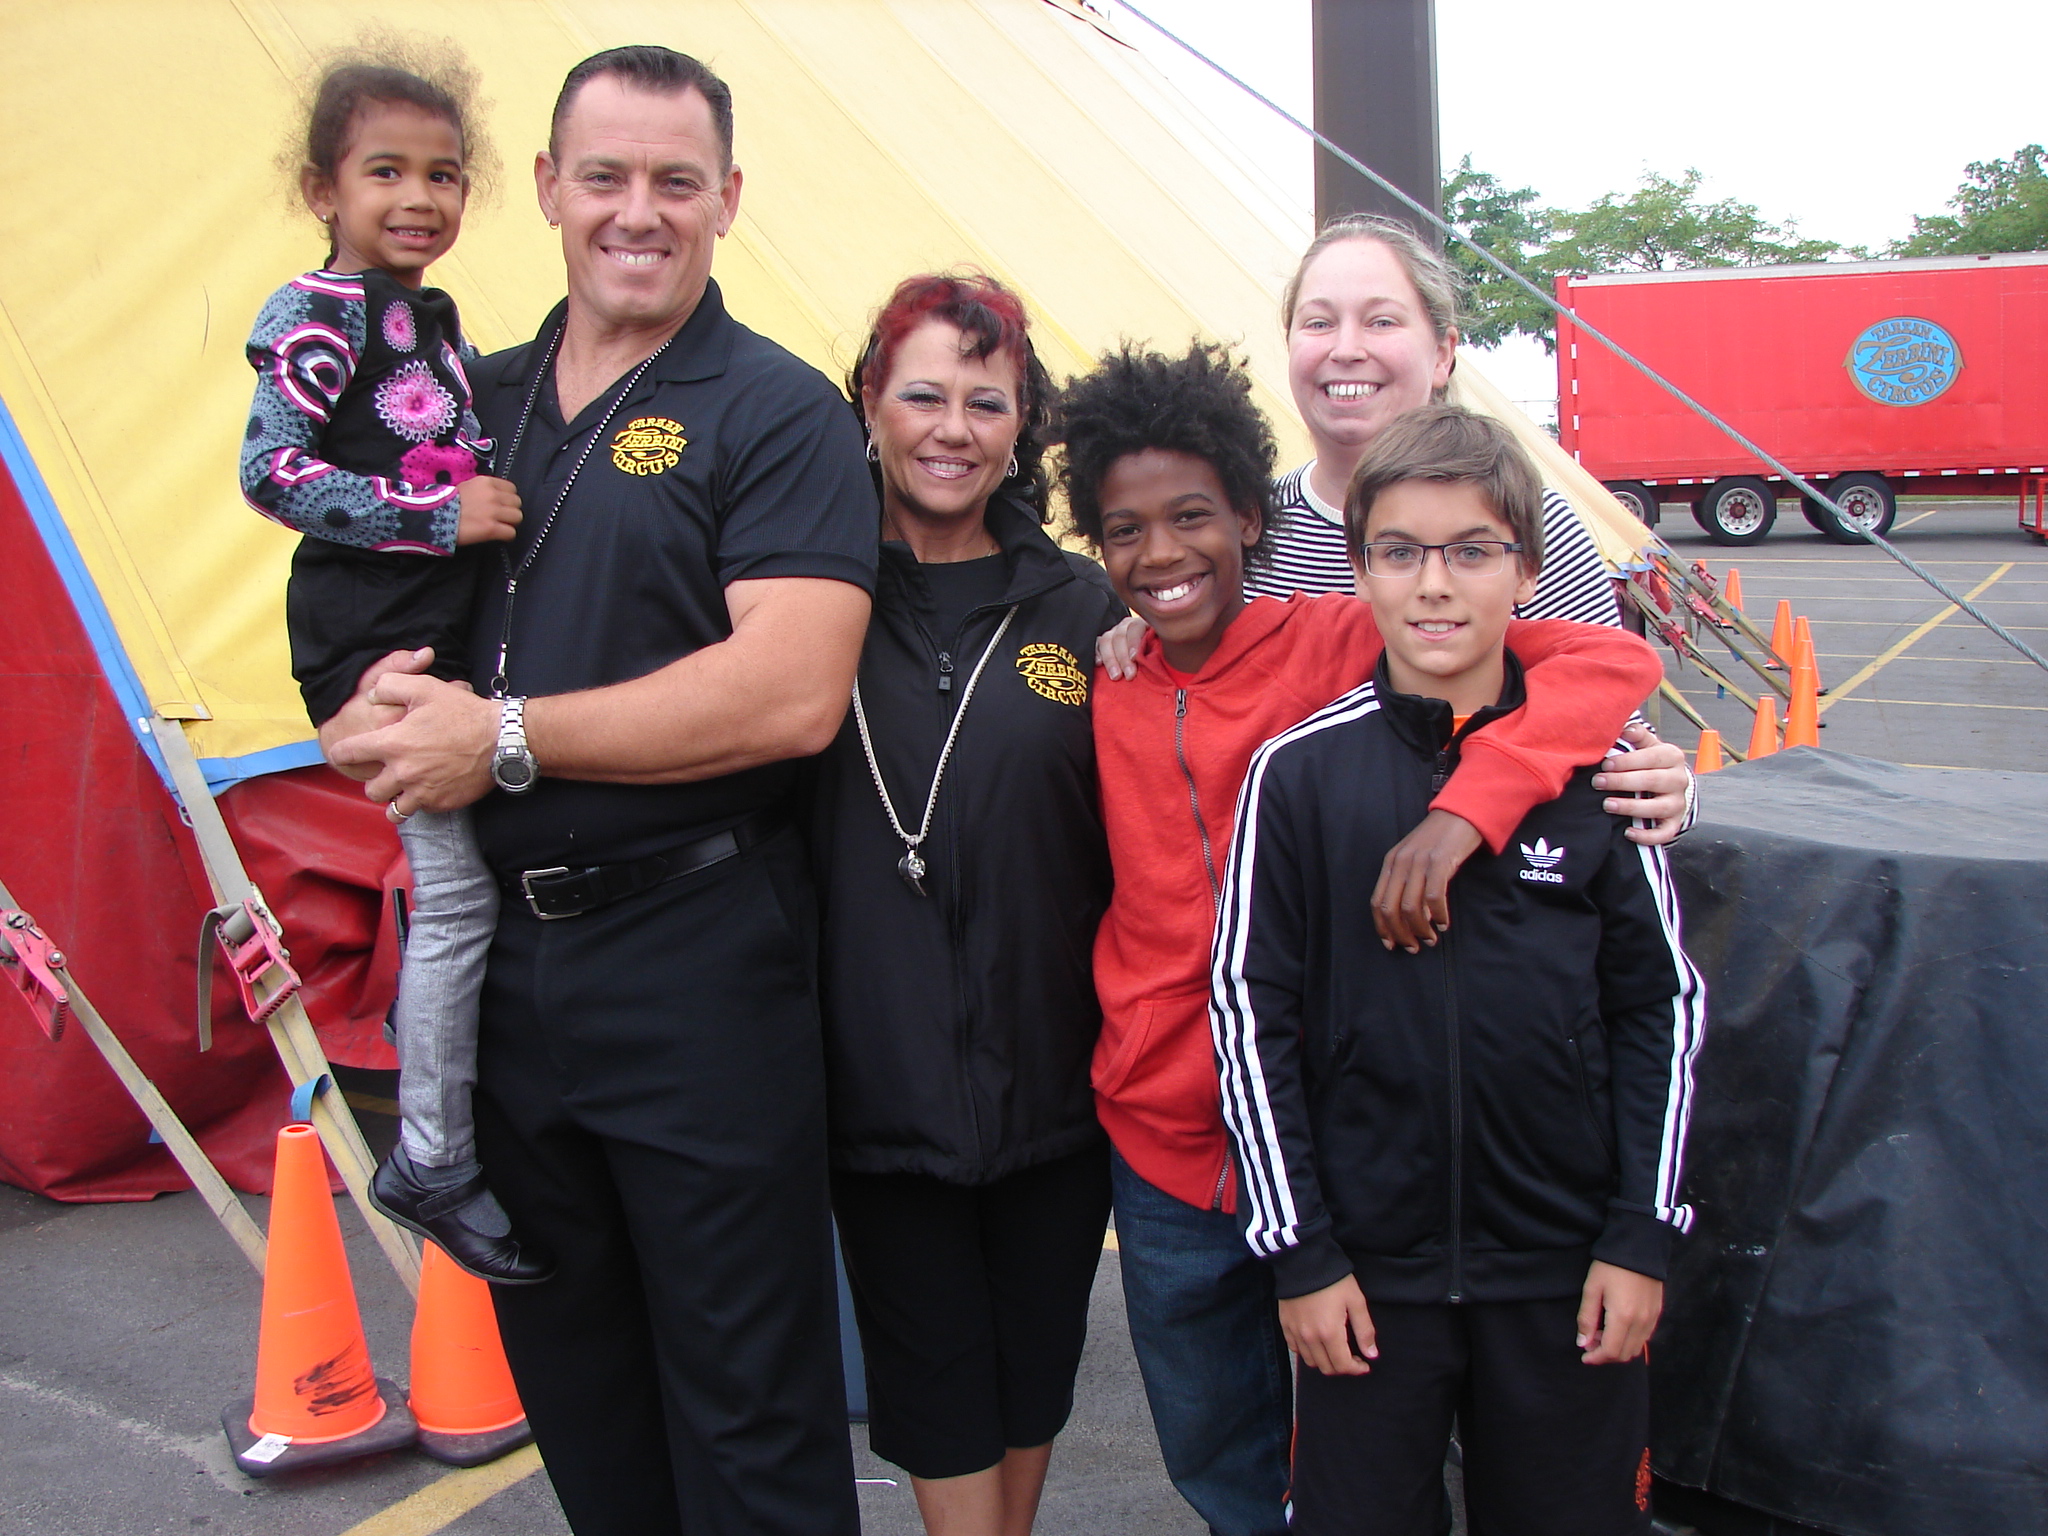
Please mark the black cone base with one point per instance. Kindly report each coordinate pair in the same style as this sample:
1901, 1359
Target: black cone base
393, 1432
474, 1450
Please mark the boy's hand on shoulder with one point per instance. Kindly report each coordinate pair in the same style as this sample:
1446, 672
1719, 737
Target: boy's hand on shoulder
1411, 904
1657, 772
1330, 1329
1116, 648
1618, 1312
487, 511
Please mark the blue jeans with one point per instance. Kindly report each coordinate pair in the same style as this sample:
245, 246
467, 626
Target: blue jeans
1207, 1336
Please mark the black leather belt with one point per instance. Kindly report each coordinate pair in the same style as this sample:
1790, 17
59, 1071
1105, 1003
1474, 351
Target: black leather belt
565, 892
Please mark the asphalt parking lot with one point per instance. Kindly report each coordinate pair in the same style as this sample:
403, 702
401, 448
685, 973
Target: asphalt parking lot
124, 1329
1910, 679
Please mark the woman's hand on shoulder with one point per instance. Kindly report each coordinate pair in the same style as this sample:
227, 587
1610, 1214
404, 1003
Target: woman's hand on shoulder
1116, 648
1656, 773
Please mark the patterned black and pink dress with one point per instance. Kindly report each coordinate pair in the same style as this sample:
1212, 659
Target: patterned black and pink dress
360, 438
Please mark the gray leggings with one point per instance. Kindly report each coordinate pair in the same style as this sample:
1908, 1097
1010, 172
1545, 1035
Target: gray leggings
454, 915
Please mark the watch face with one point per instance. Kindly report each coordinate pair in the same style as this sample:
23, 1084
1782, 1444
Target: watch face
513, 773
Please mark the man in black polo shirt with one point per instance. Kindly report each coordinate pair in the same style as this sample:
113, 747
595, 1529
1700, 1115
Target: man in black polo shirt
679, 618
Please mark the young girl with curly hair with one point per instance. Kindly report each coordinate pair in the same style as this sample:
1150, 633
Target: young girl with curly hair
362, 440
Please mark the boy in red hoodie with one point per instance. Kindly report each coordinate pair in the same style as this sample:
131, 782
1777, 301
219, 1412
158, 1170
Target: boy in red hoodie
1167, 471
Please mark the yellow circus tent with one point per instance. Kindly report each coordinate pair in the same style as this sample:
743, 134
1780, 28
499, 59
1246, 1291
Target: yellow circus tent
145, 218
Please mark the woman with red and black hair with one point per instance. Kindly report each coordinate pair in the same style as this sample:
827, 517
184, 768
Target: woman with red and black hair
962, 872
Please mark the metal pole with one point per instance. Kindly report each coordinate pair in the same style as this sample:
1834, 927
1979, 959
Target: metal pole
1375, 89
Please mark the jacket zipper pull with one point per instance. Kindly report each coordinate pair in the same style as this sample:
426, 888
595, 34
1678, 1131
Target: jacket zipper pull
1180, 704
1442, 775
945, 672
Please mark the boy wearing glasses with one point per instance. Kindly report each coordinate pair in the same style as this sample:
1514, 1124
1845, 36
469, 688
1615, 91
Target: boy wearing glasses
1461, 1165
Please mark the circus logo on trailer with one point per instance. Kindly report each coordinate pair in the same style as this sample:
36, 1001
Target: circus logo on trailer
1904, 361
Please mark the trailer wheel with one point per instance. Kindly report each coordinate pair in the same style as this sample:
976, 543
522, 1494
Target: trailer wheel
1637, 497
1737, 510
1868, 500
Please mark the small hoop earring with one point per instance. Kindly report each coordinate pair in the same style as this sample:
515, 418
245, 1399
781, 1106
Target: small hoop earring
1011, 472
874, 453
554, 223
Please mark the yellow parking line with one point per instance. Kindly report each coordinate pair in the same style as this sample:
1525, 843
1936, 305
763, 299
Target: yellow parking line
1868, 599
1834, 624
1892, 652
2039, 709
1909, 522
447, 1499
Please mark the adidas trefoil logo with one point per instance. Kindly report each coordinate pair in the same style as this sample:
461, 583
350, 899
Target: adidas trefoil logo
1542, 861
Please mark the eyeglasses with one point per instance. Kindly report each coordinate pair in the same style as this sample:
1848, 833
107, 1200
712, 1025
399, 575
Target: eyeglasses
1467, 557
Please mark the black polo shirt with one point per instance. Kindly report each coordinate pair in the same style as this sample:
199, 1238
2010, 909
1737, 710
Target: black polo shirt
730, 460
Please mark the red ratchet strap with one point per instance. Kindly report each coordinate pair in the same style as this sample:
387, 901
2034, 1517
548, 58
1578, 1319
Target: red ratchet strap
34, 965
248, 936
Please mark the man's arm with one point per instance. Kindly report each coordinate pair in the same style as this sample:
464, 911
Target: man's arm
776, 688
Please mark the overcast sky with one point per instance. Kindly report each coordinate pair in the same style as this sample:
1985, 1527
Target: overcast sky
1848, 118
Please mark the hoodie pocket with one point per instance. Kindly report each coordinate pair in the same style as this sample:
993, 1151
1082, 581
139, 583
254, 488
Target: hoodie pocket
1116, 1056
1164, 1061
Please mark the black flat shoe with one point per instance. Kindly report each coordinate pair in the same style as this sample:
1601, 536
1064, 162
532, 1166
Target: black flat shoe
436, 1214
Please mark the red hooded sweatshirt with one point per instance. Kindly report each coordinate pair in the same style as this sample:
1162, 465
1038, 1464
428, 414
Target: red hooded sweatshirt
1172, 756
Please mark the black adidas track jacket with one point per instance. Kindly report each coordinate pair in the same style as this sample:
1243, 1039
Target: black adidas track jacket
1477, 1122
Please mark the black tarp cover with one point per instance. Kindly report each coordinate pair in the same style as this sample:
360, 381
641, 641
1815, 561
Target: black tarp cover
1856, 1332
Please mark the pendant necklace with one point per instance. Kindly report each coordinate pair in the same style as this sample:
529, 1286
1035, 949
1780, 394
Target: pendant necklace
513, 573
912, 866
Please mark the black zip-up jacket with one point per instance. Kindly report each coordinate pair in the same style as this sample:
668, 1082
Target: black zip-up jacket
1477, 1122
959, 1024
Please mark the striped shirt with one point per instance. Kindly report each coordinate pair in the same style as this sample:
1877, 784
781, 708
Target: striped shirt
1305, 553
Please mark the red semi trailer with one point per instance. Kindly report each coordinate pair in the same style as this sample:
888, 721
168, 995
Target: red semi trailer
1872, 379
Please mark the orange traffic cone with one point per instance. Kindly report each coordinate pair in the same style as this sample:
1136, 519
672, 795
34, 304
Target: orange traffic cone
1781, 637
317, 1399
462, 1392
1763, 736
1802, 649
1709, 757
1802, 714
1731, 589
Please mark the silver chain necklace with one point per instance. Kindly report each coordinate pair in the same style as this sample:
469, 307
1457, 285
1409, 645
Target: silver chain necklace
912, 865
499, 683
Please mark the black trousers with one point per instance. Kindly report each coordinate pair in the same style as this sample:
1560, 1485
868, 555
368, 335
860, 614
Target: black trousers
650, 1105
1552, 1446
973, 1306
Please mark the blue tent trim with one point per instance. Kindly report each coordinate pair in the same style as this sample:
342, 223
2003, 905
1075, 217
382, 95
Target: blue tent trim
223, 773
78, 583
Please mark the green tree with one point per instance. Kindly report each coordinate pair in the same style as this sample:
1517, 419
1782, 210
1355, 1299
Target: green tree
2002, 205
1503, 220
1665, 226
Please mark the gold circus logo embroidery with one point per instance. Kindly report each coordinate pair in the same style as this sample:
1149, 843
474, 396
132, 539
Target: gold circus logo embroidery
1052, 672
649, 445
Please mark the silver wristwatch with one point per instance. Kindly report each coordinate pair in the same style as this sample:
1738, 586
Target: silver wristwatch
512, 766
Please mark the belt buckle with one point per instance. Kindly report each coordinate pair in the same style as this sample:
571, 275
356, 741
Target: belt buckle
526, 879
